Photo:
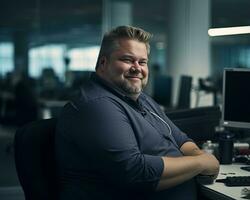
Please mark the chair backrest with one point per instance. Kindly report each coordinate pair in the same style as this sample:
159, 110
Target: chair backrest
35, 159
198, 123
184, 92
163, 90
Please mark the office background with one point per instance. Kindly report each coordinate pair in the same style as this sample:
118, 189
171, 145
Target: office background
43, 38
48, 47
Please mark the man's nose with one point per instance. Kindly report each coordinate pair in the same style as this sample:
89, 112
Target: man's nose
136, 65
135, 69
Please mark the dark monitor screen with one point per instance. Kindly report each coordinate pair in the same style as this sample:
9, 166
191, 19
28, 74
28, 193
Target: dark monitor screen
236, 98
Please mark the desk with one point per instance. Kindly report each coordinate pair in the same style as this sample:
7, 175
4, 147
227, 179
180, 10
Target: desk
218, 191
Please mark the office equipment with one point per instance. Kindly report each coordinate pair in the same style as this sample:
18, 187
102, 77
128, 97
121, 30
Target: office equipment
35, 159
243, 159
247, 168
226, 148
246, 193
235, 181
198, 123
236, 98
219, 191
237, 146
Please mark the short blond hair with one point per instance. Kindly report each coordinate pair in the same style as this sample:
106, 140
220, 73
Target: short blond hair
110, 41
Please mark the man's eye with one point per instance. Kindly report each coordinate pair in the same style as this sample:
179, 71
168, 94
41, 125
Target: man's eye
126, 60
143, 63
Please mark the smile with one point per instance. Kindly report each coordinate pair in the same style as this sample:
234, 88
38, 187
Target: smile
134, 77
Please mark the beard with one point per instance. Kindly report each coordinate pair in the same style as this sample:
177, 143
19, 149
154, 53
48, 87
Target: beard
132, 89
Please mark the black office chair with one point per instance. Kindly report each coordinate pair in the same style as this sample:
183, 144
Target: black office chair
163, 90
198, 123
35, 159
184, 92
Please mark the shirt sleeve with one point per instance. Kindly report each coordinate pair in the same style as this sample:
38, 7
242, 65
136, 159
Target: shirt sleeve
109, 137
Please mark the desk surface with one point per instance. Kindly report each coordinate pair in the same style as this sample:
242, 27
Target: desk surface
219, 191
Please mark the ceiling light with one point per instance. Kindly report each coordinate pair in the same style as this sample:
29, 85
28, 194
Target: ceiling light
229, 31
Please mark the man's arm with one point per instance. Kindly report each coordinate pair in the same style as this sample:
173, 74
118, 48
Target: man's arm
180, 169
191, 149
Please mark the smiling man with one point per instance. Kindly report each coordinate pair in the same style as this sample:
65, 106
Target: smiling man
114, 141
126, 68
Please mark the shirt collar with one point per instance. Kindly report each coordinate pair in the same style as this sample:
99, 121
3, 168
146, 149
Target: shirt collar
138, 104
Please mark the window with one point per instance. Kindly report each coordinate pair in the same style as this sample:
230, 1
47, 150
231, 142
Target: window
48, 56
6, 58
83, 59
52, 56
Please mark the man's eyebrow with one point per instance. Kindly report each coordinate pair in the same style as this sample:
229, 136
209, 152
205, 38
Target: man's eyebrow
132, 56
127, 55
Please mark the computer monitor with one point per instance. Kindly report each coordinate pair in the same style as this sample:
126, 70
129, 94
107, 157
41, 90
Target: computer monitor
236, 98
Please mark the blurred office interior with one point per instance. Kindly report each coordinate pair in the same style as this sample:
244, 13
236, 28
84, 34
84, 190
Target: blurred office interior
48, 48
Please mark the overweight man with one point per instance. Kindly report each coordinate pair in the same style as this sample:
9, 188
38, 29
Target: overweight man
114, 142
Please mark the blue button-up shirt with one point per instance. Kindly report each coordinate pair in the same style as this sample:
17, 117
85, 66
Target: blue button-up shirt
109, 145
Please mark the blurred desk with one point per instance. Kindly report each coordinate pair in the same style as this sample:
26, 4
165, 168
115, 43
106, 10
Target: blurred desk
218, 191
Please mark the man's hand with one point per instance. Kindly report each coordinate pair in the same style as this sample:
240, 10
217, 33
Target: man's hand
180, 169
209, 164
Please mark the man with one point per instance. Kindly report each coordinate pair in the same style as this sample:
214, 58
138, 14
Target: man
114, 142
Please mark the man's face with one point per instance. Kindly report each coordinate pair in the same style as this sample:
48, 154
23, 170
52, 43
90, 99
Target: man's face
127, 67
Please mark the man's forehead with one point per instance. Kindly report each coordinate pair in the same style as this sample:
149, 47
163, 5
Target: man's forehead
126, 54
131, 48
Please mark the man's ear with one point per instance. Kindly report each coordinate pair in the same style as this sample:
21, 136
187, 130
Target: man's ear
103, 62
